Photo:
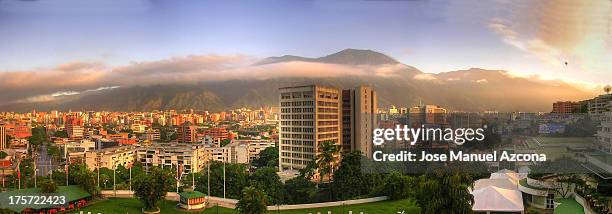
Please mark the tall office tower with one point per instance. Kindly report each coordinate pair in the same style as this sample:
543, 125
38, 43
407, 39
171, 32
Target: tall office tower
359, 107
187, 133
310, 115
2, 137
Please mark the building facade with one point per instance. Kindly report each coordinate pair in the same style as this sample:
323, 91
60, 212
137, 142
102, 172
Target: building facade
187, 133
189, 157
310, 115
599, 104
565, 107
427, 115
604, 133
111, 157
359, 108
3, 142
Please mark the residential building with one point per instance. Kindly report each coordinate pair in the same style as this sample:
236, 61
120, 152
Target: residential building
217, 133
427, 115
75, 132
187, 133
111, 157
151, 135
604, 133
310, 115
3, 142
191, 157
359, 107
565, 107
599, 104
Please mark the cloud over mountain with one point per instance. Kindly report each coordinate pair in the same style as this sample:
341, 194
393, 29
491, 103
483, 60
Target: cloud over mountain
41, 84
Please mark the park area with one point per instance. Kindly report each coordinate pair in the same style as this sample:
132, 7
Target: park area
131, 205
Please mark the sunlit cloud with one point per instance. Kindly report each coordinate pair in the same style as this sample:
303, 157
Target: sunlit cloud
560, 33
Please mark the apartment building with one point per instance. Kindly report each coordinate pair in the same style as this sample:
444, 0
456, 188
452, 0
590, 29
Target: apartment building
599, 104
191, 157
231, 153
75, 132
238, 151
565, 107
427, 115
359, 107
187, 133
310, 115
604, 133
111, 157
3, 142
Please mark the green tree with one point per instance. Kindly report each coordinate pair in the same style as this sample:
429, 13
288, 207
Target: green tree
61, 133
151, 188
252, 201
269, 182
79, 174
235, 179
299, 190
225, 142
442, 192
325, 161
397, 186
48, 186
39, 136
349, 181
267, 158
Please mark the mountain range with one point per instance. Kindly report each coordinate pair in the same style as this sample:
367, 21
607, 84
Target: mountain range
474, 89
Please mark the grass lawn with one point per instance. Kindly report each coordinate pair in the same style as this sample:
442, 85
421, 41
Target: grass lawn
392, 207
133, 206
568, 206
553, 152
532, 144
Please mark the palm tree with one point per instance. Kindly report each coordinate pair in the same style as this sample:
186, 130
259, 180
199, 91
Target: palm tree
253, 201
326, 158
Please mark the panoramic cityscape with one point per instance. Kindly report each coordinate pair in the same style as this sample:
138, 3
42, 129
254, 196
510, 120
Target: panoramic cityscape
306, 107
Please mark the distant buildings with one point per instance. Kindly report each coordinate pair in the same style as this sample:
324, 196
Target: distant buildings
359, 108
75, 132
190, 157
427, 115
111, 157
566, 107
187, 133
2, 137
600, 104
310, 115
217, 133
604, 134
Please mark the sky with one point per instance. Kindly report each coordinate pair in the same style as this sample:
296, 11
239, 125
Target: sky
526, 37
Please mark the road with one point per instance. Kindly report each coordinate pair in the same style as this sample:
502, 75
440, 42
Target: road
44, 162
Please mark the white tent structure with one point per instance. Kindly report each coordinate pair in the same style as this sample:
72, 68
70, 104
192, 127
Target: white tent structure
499, 193
501, 183
495, 199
